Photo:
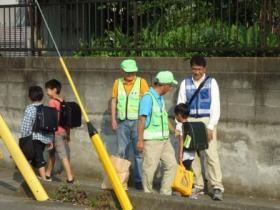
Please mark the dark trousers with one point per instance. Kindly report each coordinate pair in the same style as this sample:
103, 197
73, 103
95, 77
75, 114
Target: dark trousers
38, 160
188, 164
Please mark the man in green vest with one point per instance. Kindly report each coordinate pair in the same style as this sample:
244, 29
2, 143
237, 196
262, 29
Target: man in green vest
126, 95
153, 134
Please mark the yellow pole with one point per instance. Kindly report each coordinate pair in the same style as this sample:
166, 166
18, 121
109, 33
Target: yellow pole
66, 71
110, 170
21, 162
1, 154
100, 148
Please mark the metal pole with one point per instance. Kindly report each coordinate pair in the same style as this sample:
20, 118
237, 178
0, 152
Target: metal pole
95, 138
40, 10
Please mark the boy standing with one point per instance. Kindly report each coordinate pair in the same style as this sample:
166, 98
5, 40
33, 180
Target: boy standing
40, 139
62, 135
185, 156
126, 95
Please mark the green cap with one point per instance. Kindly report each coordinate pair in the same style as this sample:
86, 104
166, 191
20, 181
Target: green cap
129, 65
166, 77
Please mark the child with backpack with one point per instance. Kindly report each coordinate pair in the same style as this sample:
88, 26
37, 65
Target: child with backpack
62, 135
39, 139
185, 156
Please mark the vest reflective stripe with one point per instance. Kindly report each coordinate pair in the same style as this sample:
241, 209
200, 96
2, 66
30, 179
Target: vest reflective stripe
158, 127
200, 106
128, 105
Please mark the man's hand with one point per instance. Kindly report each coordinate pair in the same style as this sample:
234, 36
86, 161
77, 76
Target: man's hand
114, 125
140, 145
141, 127
210, 135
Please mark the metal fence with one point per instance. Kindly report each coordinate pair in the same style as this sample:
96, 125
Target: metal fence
144, 28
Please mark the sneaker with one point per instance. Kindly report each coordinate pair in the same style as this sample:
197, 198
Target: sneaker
175, 193
70, 181
139, 186
217, 195
193, 197
197, 191
48, 179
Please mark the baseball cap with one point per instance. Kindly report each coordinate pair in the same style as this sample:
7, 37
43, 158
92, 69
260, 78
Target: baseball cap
166, 77
129, 65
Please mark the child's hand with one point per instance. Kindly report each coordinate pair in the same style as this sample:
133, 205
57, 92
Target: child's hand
67, 137
50, 146
177, 133
67, 140
180, 158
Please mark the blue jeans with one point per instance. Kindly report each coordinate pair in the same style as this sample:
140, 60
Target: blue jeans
126, 135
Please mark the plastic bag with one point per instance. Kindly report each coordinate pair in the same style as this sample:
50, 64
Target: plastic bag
122, 168
183, 181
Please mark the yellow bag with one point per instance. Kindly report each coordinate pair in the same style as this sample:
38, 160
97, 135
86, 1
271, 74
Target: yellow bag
183, 181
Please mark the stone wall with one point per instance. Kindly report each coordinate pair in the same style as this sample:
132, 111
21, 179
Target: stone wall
250, 118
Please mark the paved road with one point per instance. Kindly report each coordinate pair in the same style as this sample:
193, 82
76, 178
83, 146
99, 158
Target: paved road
13, 196
19, 203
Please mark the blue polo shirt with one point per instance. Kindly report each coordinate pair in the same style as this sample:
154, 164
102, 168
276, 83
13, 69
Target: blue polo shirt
146, 105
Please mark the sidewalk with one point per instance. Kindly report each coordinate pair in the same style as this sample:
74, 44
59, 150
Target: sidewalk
20, 203
11, 185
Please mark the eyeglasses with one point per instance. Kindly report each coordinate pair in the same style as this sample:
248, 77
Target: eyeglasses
129, 74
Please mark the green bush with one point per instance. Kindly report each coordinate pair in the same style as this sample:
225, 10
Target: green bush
182, 27
203, 35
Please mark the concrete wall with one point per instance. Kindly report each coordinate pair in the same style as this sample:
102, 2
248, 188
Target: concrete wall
248, 131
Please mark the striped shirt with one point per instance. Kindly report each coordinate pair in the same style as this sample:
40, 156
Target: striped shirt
28, 122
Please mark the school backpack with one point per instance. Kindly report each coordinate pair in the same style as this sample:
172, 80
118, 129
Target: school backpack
196, 133
46, 119
70, 115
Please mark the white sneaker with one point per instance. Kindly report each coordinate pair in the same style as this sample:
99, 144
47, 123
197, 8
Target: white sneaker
197, 191
46, 180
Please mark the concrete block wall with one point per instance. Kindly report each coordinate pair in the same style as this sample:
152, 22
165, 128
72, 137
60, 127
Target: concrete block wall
250, 116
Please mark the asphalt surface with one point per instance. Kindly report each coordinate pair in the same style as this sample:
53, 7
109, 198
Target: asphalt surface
8, 202
13, 195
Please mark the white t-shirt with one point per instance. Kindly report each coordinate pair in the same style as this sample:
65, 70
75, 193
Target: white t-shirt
188, 155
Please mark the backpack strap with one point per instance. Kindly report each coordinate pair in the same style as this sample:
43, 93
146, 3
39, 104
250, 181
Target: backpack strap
59, 100
38, 108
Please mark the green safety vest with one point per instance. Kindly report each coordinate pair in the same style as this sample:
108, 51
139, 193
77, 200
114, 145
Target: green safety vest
158, 127
128, 105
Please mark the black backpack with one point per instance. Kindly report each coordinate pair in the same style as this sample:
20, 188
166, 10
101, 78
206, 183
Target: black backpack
46, 119
70, 115
198, 133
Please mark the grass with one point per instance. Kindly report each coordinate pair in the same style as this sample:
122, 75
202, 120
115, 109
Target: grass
77, 196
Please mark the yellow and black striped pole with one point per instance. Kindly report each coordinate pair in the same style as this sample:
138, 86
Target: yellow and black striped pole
95, 138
